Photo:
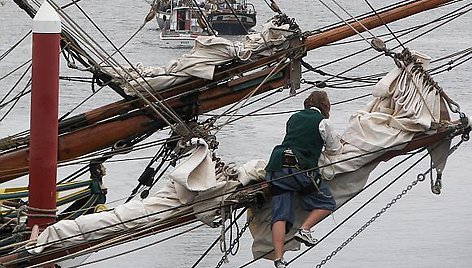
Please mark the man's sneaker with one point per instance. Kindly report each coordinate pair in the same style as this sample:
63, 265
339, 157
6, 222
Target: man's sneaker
280, 263
304, 236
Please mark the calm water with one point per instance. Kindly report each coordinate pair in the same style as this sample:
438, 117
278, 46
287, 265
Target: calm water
421, 230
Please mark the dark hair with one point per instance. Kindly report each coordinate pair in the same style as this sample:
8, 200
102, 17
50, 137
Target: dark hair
320, 100
95, 170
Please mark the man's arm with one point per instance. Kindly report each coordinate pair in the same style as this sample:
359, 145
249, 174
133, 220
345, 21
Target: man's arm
331, 139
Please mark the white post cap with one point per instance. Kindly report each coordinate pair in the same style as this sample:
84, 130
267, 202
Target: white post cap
46, 20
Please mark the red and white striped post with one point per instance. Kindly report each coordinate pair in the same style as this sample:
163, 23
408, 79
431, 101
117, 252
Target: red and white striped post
44, 117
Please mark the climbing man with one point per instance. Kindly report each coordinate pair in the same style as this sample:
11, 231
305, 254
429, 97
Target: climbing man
292, 169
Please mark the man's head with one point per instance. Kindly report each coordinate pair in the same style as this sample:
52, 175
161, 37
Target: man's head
320, 100
97, 170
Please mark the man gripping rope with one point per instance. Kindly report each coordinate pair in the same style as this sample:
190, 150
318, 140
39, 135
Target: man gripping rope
292, 169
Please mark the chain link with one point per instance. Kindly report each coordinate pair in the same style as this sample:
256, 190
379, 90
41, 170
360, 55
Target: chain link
233, 244
369, 222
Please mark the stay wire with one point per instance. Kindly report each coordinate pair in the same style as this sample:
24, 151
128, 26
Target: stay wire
419, 178
465, 51
345, 22
3, 101
341, 77
449, 17
140, 247
212, 197
65, 115
160, 104
15, 69
343, 204
8, 51
16, 99
448, 66
213, 244
385, 24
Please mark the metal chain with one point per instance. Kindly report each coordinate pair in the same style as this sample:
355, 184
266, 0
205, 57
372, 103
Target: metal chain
420, 178
233, 244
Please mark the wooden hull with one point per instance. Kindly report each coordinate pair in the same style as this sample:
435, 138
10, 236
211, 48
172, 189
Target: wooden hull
227, 24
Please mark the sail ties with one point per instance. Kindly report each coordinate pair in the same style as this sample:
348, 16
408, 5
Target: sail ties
419, 178
416, 64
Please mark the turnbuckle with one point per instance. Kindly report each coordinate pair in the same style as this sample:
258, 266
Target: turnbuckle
437, 185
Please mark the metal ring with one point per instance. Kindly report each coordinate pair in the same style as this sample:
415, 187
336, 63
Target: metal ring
421, 177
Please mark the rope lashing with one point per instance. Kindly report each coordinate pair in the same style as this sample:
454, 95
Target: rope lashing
43, 212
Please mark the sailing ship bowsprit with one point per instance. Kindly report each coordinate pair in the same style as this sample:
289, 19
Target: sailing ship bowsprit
409, 114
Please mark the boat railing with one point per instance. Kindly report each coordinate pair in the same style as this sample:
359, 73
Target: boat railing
250, 8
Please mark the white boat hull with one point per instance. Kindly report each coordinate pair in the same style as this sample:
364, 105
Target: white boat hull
178, 40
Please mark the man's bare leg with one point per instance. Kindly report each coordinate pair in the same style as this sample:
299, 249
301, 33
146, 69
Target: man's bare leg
314, 217
278, 238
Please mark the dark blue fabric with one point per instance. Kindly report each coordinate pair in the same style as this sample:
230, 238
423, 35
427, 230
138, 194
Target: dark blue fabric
291, 182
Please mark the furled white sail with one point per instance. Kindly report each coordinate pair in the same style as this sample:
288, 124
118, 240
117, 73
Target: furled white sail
201, 61
403, 106
193, 180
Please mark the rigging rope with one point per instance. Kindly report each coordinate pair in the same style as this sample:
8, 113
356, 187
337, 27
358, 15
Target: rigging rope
278, 66
385, 24
83, 35
140, 247
233, 243
346, 22
165, 211
419, 178
371, 199
236, 218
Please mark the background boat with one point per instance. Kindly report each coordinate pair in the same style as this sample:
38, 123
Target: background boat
234, 17
414, 226
231, 17
180, 26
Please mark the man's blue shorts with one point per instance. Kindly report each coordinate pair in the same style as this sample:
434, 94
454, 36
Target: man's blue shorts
288, 181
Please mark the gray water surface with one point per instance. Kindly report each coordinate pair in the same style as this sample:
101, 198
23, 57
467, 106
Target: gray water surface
420, 230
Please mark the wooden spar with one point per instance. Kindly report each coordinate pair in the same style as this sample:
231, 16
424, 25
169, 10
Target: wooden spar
371, 22
103, 134
312, 42
10, 260
92, 138
58, 252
